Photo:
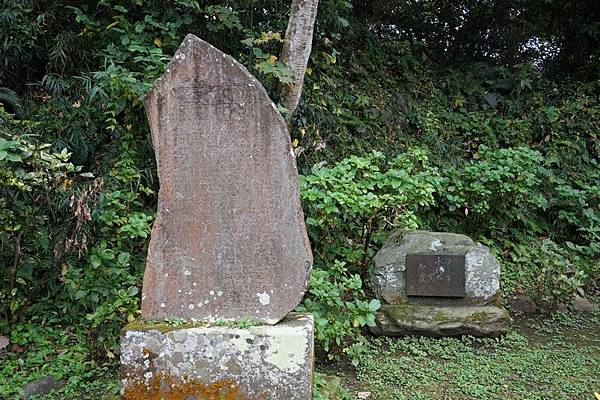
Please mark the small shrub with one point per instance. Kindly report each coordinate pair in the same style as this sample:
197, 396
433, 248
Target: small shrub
34, 182
350, 205
547, 272
335, 298
494, 193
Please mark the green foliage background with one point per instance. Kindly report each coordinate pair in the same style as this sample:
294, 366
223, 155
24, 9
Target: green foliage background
414, 115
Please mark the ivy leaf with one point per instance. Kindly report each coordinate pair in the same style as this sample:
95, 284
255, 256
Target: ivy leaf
374, 305
8, 144
13, 157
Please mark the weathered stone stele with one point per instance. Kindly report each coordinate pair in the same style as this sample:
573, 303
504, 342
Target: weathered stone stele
229, 241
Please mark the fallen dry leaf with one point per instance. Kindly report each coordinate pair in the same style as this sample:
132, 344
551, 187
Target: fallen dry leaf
16, 348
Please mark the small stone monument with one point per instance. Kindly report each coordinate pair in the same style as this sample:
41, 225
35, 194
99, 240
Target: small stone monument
229, 246
437, 284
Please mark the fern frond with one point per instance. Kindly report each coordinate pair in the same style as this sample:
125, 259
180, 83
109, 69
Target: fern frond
55, 84
67, 49
10, 98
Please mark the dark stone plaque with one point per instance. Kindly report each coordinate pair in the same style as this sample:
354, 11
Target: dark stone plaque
435, 275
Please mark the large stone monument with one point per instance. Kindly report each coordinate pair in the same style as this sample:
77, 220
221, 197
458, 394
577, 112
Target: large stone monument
229, 246
437, 284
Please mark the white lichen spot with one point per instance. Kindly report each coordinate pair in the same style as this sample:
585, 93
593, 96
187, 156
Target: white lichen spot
389, 276
211, 292
194, 284
219, 293
435, 244
264, 298
205, 301
191, 306
187, 272
162, 305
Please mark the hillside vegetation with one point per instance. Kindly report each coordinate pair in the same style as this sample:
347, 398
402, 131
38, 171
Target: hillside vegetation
473, 117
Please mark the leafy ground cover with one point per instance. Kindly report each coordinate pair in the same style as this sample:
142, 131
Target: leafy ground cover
553, 358
556, 358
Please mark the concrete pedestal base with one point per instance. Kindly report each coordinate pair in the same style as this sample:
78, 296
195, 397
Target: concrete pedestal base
438, 321
219, 362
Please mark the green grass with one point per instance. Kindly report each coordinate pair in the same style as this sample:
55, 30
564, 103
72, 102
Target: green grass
552, 359
62, 353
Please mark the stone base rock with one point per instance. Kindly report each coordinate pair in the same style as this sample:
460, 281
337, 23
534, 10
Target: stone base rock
582, 304
219, 362
42, 386
523, 304
438, 321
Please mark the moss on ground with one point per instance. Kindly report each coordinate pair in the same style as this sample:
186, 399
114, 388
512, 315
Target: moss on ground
556, 358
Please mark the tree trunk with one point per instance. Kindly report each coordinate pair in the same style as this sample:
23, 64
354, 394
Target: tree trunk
296, 49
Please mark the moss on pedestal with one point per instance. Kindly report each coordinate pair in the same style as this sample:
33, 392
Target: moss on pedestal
171, 325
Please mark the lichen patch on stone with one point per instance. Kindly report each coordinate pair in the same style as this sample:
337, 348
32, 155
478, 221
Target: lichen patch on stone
272, 360
264, 298
286, 350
